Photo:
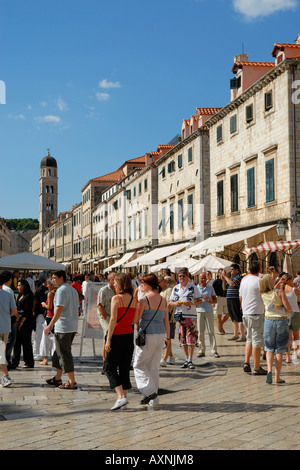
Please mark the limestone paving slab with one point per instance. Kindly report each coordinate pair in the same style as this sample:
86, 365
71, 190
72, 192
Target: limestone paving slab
217, 407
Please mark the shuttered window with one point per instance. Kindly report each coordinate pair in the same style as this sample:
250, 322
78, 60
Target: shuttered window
220, 198
234, 192
250, 187
270, 182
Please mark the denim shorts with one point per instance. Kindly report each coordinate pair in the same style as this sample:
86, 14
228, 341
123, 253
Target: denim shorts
276, 335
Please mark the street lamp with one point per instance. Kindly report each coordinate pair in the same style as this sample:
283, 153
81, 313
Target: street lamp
280, 229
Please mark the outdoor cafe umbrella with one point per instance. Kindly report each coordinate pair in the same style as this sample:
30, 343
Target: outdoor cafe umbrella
210, 263
30, 262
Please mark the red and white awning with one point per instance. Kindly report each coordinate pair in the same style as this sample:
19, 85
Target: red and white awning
272, 246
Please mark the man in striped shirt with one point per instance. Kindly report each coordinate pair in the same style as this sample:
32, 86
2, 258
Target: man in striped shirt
232, 286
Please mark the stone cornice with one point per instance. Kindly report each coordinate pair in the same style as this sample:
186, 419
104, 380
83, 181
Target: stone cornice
182, 144
252, 90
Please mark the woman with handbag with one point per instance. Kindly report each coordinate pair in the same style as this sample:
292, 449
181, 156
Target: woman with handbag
276, 327
154, 327
119, 340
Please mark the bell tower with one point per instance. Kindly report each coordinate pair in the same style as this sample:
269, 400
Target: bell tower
48, 192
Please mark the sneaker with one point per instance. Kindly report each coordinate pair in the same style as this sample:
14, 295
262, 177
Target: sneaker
241, 339
163, 363
215, 354
233, 338
120, 403
184, 365
171, 360
191, 365
201, 354
6, 381
154, 402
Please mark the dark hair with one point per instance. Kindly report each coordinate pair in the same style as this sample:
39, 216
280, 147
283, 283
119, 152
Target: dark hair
152, 280
254, 267
27, 289
2, 281
236, 266
125, 283
6, 276
61, 274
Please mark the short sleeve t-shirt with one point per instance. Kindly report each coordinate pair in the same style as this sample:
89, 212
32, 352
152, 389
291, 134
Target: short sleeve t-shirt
189, 293
67, 297
232, 292
7, 303
252, 303
206, 291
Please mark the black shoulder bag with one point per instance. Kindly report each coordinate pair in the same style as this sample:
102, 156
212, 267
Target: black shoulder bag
141, 336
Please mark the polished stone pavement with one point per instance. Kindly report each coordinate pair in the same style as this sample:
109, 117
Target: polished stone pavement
217, 406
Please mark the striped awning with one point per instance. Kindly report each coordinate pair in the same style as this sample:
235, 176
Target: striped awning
273, 246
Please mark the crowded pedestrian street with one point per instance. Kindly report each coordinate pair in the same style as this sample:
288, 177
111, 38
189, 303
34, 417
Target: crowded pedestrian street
216, 406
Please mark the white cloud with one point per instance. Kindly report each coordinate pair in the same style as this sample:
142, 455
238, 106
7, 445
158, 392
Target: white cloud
252, 9
43, 103
106, 84
49, 118
61, 104
19, 116
102, 96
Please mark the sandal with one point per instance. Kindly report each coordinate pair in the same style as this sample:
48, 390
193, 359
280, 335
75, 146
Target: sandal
54, 382
246, 367
260, 371
68, 386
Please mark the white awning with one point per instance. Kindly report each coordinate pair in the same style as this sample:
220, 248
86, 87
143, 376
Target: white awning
153, 256
174, 264
121, 261
101, 260
273, 246
217, 244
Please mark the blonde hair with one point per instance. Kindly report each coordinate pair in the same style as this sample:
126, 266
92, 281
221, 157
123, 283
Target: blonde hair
170, 281
266, 284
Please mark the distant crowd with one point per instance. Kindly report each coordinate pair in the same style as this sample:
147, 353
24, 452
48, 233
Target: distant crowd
140, 316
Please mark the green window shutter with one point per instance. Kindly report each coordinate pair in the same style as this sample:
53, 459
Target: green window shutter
220, 196
219, 133
180, 161
270, 182
180, 213
234, 192
250, 187
233, 124
190, 210
190, 154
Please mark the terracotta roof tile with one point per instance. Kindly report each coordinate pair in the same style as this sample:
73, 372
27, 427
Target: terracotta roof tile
113, 177
207, 111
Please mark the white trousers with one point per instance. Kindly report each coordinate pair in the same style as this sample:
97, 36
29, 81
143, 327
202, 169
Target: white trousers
147, 363
206, 319
39, 332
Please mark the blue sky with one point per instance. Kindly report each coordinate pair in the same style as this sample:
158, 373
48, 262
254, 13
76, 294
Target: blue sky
102, 82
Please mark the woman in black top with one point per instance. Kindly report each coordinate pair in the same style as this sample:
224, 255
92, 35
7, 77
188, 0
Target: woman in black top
25, 326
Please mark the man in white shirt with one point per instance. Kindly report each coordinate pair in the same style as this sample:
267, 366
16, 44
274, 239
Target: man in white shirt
7, 277
253, 318
7, 310
184, 297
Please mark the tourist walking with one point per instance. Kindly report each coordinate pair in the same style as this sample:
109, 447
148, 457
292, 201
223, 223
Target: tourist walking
65, 321
232, 285
166, 284
119, 339
7, 310
221, 306
276, 327
205, 313
184, 297
153, 319
25, 327
253, 318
